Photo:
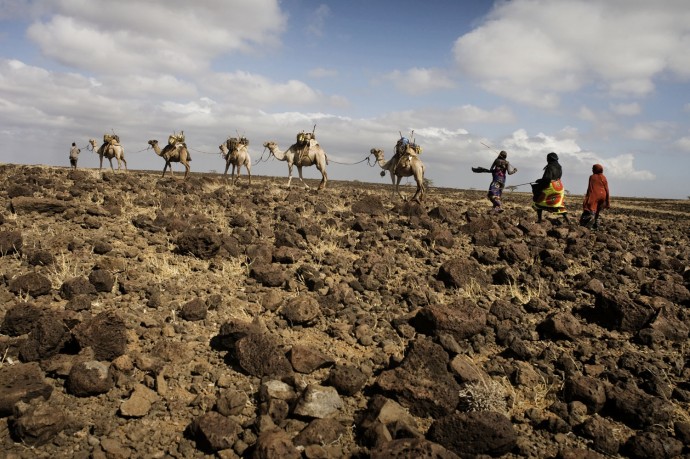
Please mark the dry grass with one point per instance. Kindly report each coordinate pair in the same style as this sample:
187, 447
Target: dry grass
63, 269
486, 395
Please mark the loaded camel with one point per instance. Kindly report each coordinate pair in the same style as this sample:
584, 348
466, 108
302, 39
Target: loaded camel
235, 152
172, 154
110, 151
313, 156
406, 165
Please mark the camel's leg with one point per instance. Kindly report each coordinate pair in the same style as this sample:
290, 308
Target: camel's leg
125, 162
324, 176
111, 164
419, 178
289, 174
186, 172
101, 166
165, 167
249, 173
227, 166
235, 178
299, 172
397, 187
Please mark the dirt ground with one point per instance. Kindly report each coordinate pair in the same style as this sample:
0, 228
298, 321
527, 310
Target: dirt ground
155, 317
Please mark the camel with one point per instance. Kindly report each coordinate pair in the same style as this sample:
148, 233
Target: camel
109, 151
172, 154
238, 157
408, 164
314, 156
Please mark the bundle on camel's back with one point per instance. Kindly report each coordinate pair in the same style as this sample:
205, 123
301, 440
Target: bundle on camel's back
110, 149
404, 163
175, 152
235, 151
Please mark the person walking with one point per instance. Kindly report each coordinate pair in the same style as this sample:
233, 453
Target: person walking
548, 191
596, 199
74, 155
499, 169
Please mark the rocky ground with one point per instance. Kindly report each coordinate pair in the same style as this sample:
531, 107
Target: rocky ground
149, 317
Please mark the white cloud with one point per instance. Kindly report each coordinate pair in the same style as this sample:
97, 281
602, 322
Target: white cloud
317, 21
175, 36
683, 143
321, 72
416, 81
658, 130
626, 109
533, 51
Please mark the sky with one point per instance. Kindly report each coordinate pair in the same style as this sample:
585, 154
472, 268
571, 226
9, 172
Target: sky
596, 81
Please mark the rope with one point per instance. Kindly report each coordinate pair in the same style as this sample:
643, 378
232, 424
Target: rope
261, 159
203, 152
350, 164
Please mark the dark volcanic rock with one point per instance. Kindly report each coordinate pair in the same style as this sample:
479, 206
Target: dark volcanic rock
26, 204
417, 448
460, 272
37, 422
320, 432
618, 312
478, 432
10, 242
200, 242
422, 382
90, 378
106, 334
214, 432
20, 318
301, 310
21, 382
47, 337
590, 391
462, 319
77, 286
33, 283
561, 325
269, 274
599, 430
274, 444
347, 380
306, 359
102, 280
636, 408
195, 309
369, 205
260, 355
652, 445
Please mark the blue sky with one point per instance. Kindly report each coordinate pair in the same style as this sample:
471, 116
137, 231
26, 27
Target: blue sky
595, 81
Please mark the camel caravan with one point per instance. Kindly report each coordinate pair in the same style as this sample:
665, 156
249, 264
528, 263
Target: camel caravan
305, 152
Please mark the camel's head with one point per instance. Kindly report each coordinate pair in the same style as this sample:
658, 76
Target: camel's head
93, 143
153, 143
377, 152
270, 145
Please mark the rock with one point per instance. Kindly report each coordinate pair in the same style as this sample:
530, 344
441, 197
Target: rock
90, 378
199, 242
628, 404
40, 258
21, 382
320, 432
214, 432
274, 444
10, 242
77, 286
37, 422
47, 337
318, 402
47, 206
32, 283
19, 319
385, 420
193, 310
617, 312
560, 325
139, 402
102, 280
106, 334
652, 445
259, 355
422, 382
466, 371
301, 310
268, 274
461, 273
599, 430
417, 448
306, 359
515, 253
461, 319
474, 433
347, 380
590, 391
369, 205
231, 402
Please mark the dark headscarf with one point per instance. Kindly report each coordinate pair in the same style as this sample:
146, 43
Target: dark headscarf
500, 162
552, 170
598, 169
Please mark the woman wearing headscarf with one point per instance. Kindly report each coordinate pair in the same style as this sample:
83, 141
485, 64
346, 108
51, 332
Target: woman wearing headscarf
499, 169
548, 191
596, 198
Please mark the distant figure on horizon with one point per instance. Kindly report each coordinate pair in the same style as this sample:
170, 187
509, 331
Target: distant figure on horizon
548, 192
74, 155
596, 199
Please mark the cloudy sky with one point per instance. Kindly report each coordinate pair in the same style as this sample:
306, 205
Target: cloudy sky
596, 81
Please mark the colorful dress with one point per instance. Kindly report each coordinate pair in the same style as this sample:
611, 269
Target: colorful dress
548, 191
596, 198
499, 170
